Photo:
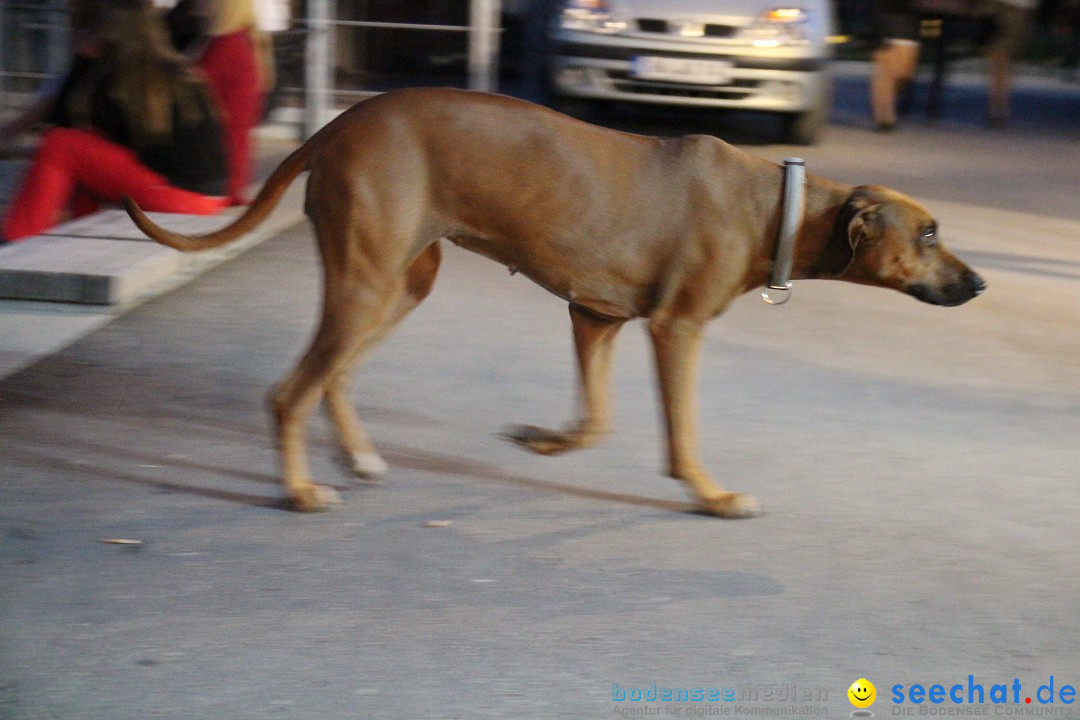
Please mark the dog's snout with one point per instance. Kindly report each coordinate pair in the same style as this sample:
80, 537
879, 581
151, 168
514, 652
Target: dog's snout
967, 286
976, 283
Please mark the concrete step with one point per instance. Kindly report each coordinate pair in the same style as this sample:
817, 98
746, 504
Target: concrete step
115, 224
82, 269
103, 259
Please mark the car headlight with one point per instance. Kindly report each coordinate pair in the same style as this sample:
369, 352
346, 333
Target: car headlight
779, 26
591, 16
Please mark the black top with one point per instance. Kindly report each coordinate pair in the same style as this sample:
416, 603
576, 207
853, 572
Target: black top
895, 20
192, 158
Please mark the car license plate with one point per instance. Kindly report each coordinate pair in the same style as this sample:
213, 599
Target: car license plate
687, 70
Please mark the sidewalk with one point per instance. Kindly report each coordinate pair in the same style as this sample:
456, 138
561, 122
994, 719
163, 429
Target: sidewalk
32, 330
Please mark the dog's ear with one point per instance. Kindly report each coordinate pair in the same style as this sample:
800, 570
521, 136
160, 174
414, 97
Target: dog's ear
858, 222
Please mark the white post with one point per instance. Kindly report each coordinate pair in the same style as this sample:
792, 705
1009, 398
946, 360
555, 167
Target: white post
484, 24
317, 71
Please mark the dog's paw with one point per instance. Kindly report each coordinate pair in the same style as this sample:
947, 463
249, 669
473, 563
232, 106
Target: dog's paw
541, 440
732, 505
313, 498
369, 466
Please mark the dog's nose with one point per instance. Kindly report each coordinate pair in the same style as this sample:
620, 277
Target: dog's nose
976, 283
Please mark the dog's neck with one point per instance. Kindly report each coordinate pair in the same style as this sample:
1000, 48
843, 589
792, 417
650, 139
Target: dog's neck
824, 200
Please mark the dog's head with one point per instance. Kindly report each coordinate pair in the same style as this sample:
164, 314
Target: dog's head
883, 238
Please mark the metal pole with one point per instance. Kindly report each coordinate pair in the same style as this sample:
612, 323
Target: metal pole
317, 86
484, 44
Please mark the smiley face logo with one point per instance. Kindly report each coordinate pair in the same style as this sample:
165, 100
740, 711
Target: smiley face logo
862, 693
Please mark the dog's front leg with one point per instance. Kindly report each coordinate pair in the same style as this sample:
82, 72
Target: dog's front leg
594, 342
677, 343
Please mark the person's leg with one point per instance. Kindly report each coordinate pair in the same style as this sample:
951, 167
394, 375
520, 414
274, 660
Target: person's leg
1012, 31
110, 172
1000, 85
83, 204
894, 63
70, 161
45, 191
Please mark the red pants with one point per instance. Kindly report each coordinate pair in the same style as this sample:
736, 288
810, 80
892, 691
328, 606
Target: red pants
76, 170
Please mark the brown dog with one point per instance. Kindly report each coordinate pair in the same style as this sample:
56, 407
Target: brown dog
621, 226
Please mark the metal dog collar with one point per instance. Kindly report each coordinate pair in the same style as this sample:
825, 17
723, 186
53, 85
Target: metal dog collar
790, 220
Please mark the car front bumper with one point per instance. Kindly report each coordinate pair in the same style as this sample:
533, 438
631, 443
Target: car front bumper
599, 67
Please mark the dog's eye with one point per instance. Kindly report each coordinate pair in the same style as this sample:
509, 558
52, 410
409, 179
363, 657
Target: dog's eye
929, 237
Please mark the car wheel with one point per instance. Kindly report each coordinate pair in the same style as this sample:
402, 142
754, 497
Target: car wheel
575, 107
805, 128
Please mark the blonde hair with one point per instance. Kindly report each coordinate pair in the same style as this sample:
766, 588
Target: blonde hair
228, 16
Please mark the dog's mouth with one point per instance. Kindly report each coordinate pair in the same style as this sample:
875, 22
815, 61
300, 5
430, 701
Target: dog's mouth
969, 286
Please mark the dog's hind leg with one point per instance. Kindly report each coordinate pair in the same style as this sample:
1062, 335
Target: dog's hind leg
365, 459
352, 313
594, 342
678, 345
361, 300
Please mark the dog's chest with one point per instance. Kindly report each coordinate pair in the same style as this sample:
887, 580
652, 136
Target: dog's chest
590, 277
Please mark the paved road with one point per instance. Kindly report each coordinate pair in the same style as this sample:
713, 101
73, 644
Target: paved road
917, 465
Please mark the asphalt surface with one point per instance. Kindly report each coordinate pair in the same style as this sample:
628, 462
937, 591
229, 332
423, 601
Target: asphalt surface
917, 466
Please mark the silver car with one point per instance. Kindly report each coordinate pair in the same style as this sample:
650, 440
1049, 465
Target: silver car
754, 55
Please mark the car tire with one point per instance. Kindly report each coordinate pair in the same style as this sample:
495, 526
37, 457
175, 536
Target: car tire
575, 107
805, 128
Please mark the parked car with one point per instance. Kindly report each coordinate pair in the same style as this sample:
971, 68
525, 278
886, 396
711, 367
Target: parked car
754, 55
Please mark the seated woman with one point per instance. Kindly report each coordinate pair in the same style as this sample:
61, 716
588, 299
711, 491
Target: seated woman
132, 118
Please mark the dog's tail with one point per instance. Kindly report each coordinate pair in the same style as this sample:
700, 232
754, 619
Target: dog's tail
265, 201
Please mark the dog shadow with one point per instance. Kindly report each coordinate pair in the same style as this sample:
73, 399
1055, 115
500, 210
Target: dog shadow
100, 461
440, 464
